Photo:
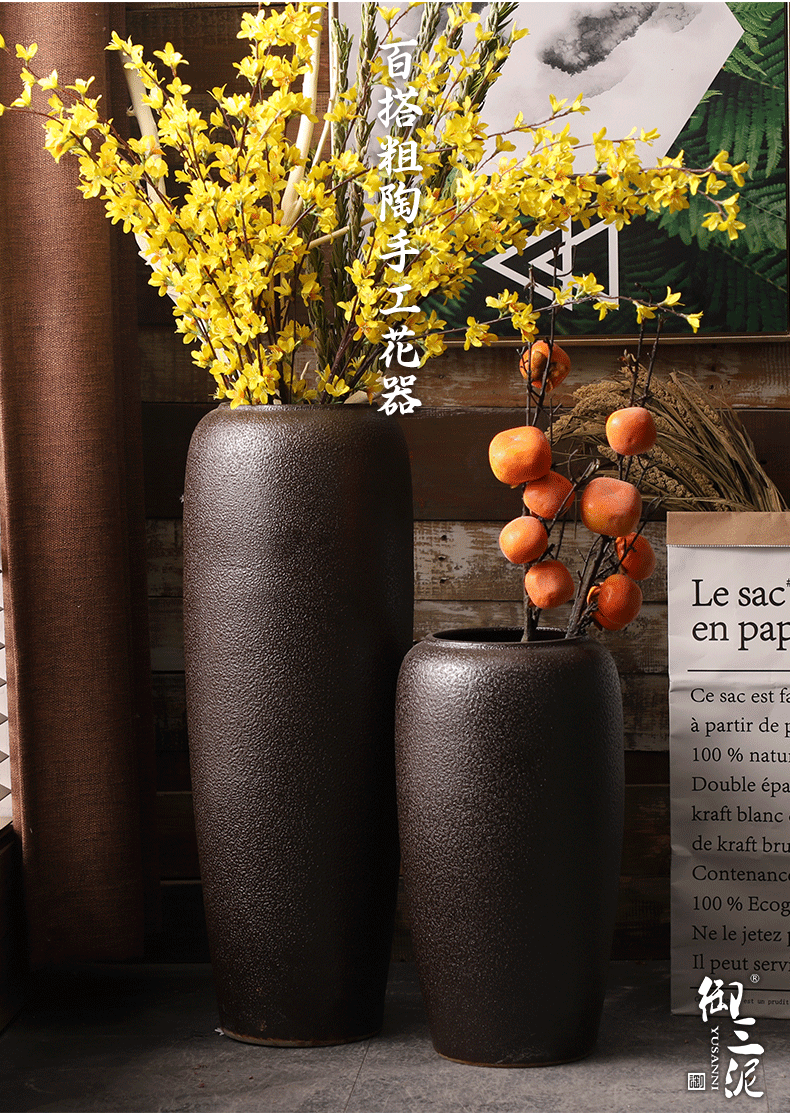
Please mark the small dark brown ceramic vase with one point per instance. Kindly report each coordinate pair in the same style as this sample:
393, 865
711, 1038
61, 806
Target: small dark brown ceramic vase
298, 591
510, 786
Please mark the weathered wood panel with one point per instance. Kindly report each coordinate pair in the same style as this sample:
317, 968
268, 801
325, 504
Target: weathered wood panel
452, 560
448, 448
166, 623
462, 560
449, 456
642, 922
747, 375
769, 430
165, 557
167, 372
177, 843
642, 647
647, 849
206, 35
167, 429
645, 714
647, 768
170, 732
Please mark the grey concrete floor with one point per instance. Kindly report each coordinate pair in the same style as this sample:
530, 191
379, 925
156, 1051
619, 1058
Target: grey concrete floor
144, 1039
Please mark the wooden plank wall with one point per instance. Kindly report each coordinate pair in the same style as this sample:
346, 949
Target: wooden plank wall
461, 577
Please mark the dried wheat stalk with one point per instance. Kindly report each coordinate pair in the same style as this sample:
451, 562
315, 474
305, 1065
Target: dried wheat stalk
703, 459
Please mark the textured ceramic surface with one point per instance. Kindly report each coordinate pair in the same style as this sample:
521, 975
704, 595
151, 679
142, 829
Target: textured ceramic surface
298, 561
510, 787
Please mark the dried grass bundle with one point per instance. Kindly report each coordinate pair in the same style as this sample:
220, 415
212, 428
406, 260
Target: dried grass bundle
703, 459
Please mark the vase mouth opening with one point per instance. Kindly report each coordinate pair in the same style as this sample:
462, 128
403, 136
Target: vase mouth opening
500, 636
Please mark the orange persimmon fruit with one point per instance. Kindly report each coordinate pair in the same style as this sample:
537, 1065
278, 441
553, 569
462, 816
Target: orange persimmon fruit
533, 364
631, 431
546, 495
519, 454
610, 507
637, 558
619, 601
523, 540
549, 584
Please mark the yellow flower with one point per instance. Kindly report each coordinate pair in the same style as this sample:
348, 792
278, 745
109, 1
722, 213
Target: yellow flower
693, 321
268, 245
239, 393
26, 53
643, 312
604, 306
477, 334
170, 56
587, 285
309, 286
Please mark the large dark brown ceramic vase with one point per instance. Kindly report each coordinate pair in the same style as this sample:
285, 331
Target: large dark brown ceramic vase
298, 591
510, 785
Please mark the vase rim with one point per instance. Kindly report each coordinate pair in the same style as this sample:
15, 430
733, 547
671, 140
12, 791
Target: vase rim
497, 636
296, 407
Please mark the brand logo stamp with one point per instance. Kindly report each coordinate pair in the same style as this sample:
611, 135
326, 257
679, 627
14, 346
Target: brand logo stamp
744, 1061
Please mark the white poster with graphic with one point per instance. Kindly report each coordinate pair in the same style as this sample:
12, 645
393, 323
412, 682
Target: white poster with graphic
728, 581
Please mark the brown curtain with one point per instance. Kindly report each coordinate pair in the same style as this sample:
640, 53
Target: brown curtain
72, 521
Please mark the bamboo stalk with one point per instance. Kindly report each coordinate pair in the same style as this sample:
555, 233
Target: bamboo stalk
292, 203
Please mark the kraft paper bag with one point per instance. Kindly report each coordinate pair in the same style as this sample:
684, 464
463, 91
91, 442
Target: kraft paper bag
728, 589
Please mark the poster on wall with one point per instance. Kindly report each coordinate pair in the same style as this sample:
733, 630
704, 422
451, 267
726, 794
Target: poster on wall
728, 588
708, 77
